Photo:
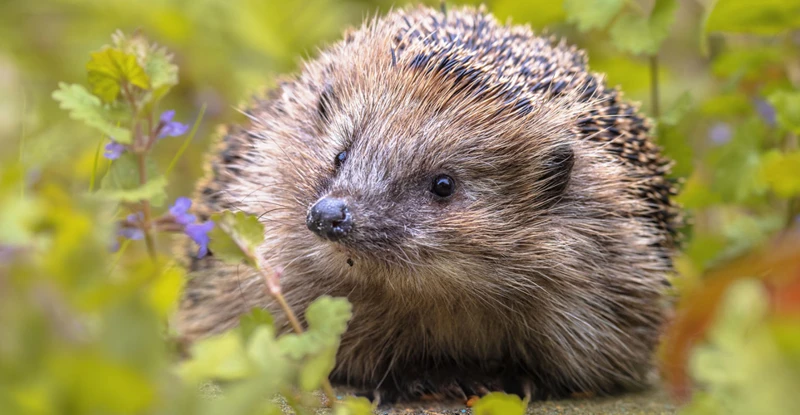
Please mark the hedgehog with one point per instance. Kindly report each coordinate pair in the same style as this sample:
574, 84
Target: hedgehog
498, 217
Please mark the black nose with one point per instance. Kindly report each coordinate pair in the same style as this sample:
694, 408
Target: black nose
330, 219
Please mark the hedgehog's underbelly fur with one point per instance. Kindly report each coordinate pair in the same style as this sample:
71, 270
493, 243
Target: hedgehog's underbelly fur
544, 271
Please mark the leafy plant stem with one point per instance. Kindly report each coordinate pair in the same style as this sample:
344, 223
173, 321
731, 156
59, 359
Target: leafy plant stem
654, 86
275, 291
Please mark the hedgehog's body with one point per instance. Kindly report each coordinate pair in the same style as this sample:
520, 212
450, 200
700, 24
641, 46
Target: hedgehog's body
504, 218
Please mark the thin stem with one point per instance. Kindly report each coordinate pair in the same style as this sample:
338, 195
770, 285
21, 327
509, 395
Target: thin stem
148, 234
275, 292
654, 86
293, 320
186, 142
93, 179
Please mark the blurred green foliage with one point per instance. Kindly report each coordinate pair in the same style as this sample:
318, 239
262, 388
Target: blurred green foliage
85, 330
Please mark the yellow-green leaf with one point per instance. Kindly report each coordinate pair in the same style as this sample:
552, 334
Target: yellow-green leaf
112, 69
781, 172
165, 291
236, 237
352, 405
499, 404
749, 16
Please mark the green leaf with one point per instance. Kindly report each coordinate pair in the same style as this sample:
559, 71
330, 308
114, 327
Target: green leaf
787, 109
642, 35
316, 369
252, 320
162, 72
352, 405
264, 351
122, 181
220, 357
329, 315
592, 14
781, 171
499, 404
327, 320
153, 191
83, 106
236, 237
761, 17
112, 69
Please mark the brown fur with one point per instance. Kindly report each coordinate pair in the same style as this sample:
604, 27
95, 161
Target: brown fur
545, 270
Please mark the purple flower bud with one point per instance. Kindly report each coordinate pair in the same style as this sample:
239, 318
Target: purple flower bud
113, 150
171, 128
720, 133
199, 234
180, 211
766, 111
133, 233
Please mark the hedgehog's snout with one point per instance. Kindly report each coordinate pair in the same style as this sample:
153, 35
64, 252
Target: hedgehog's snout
330, 218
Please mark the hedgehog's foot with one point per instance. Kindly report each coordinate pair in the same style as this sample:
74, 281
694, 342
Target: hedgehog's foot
439, 389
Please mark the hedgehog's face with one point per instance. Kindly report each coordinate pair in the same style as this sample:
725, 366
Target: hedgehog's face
443, 191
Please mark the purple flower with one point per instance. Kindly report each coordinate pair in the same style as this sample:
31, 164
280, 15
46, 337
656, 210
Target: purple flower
180, 211
113, 150
766, 111
720, 133
171, 128
133, 232
199, 234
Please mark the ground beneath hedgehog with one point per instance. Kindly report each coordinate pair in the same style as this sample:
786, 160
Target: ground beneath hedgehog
497, 216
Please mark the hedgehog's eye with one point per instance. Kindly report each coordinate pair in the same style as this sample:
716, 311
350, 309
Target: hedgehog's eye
340, 159
443, 186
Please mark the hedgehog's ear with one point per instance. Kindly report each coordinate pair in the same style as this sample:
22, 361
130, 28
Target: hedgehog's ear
556, 173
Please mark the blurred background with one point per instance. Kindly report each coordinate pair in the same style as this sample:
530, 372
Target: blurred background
726, 102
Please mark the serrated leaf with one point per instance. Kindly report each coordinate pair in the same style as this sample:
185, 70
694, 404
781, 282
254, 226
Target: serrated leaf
787, 109
159, 67
236, 237
592, 14
499, 404
154, 191
121, 182
643, 35
252, 320
781, 171
327, 319
263, 350
316, 369
329, 315
747, 16
111, 69
220, 357
83, 106
156, 61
